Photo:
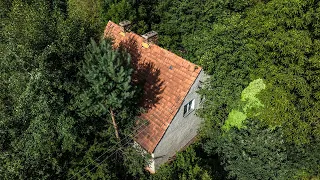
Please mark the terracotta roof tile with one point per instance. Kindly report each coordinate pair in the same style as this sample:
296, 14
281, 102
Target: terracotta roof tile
164, 88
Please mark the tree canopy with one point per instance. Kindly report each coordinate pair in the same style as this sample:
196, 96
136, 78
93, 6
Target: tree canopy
68, 107
55, 102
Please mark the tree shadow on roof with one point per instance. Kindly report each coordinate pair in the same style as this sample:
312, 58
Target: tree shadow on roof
145, 75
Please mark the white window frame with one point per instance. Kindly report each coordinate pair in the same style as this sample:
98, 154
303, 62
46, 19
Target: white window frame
188, 108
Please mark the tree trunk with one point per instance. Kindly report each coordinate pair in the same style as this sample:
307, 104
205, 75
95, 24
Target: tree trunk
114, 125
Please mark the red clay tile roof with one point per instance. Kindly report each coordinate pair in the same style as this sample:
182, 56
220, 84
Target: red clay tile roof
166, 79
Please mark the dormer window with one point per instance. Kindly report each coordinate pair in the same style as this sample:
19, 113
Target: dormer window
188, 108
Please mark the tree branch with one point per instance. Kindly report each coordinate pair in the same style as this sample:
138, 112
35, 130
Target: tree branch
114, 125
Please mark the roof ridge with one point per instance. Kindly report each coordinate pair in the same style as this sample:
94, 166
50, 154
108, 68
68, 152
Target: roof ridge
156, 45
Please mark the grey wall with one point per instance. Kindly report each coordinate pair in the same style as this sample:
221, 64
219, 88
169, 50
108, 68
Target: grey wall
181, 130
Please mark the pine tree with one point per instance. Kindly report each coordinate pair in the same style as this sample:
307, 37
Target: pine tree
107, 109
107, 73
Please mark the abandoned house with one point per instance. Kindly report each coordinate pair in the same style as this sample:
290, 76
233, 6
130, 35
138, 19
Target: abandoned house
169, 100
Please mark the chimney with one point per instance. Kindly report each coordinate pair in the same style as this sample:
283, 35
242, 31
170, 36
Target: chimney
125, 25
151, 37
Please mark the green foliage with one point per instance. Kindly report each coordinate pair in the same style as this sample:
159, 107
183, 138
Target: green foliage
54, 103
88, 11
229, 63
280, 50
42, 133
140, 13
249, 103
134, 161
106, 89
108, 75
184, 23
33, 110
285, 55
185, 166
119, 11
32, 31
249, 94
272, 40
254, 152
32, 125
235, 119
305, 160
179, 21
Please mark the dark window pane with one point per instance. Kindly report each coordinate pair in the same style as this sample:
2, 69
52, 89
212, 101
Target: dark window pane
185, 109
